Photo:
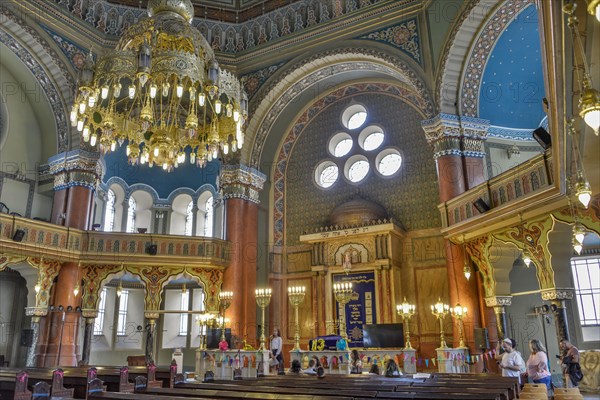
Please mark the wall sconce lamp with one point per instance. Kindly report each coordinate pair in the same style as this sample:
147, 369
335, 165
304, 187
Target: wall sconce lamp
589, 101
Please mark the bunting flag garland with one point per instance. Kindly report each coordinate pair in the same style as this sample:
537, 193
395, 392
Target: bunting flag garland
433, 360
427, 362
468, 358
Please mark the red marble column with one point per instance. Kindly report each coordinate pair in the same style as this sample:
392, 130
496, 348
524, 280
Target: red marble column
474, 171
75, 178
451, 176
241, 186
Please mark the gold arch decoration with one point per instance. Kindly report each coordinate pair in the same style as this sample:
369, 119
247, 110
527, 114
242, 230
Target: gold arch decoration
534, 235
212, 279
94, 276
479, 251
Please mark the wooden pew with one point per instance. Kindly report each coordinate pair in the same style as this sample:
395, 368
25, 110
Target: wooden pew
21, 391
124, 385
41, 390
58, 390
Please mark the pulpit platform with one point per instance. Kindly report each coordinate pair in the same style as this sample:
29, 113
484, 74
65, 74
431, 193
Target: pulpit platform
223, 363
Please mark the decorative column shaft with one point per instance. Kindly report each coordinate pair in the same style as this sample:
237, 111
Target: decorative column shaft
499, 304
90, 319
241, 186
150, 335
558, 297
455, 139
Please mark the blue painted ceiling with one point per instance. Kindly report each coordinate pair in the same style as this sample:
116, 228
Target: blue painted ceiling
163, 182
513, 81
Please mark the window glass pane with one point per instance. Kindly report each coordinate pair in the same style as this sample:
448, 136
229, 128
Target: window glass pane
109, 215
358, 171
373, 141
183, 318
208, 217
586, 273
328, 176
99, 322
189, 219
390, 164
122, 320
131, 215
357, 119
342, 148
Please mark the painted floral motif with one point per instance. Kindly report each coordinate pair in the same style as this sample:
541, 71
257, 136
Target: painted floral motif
254, 80
404, 36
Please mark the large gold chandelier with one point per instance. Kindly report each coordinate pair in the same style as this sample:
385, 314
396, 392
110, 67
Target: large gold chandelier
161, 92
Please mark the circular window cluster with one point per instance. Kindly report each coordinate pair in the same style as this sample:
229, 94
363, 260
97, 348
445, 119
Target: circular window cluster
357, 161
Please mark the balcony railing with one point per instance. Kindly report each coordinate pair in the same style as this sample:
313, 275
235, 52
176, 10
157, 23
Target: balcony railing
43, 238
517, 184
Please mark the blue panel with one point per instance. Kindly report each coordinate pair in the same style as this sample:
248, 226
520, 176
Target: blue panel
163, 182
512, 88
361, 308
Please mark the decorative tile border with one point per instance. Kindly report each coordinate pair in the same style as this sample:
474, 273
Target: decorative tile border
403, 36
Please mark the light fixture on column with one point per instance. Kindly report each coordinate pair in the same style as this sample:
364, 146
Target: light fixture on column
459, 312
263, 298
589, 100
296, 296
76, 289
343, 294
467, 267
583, 191
406, 311
120, 289
594, 8
440, 310
184, 288
225, 299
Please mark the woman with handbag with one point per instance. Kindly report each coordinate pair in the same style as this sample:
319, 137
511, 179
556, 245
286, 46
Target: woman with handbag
537, 364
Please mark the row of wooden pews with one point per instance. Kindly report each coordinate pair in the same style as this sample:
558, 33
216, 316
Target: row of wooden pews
69, 383
112, 383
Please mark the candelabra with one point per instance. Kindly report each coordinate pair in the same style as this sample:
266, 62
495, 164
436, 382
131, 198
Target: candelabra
296, 296
202, 320
225, 301
406, 311
459, 312
440, 310
263, 298
343, 293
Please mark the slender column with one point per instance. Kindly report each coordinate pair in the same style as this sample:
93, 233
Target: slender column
36, 314
499, 304
195, 218
150, 335
125, 208
558, 297
241, 186
87, 340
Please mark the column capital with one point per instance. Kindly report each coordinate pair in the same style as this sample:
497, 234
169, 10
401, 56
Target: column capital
36, 311
557, 294
89, 313
241, 182
496, 301
75, 168
455, 135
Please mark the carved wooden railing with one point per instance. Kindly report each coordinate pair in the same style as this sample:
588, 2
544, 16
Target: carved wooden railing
43, 238
522, 182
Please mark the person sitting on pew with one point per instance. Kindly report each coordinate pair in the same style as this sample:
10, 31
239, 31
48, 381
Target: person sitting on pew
392, 369
223, 345
374, 369
320, 372
296, 368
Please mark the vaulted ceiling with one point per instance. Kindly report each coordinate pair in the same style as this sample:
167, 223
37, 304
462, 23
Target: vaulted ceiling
224, 10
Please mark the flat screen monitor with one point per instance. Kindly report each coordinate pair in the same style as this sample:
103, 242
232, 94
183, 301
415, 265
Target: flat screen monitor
383, 336
213, 337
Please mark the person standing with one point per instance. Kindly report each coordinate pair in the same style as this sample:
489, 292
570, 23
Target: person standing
570, 363
276, 348
510, 361
537, 364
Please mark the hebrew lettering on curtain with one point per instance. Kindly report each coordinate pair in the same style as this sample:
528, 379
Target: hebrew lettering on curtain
360, 309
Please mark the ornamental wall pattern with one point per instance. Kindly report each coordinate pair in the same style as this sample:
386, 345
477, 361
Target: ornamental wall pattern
307, 206
113, 20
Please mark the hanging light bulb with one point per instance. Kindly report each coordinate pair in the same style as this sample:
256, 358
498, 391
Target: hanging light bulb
526, 259
583, 191
104, 92
76, 290
80, 125
201, 99
179, 91
578, 232
86, 133
113, 145
131, 92
153, 90
218, 107
120, 289
38, 287
576, 245
184, 289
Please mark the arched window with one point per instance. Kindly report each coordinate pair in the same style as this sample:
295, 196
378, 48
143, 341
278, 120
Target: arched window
189, 219
208, 217
109, 214
131, 215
